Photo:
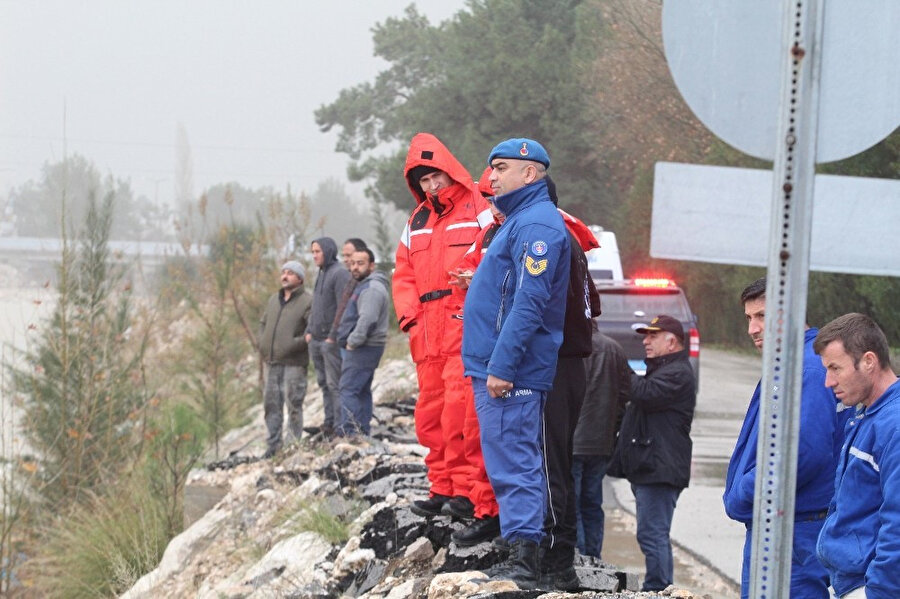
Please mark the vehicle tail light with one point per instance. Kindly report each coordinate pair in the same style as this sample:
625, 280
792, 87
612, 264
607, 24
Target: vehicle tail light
695, 343
657, 282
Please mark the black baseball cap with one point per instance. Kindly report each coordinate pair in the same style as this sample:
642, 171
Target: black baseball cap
663, 322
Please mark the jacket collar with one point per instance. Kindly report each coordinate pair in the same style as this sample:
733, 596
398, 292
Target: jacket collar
891, 394
667, 359
518, 199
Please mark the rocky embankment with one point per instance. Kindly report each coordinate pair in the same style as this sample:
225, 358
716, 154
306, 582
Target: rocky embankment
277, 528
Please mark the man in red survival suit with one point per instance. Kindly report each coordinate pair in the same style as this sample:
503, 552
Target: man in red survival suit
448, 215
485, 510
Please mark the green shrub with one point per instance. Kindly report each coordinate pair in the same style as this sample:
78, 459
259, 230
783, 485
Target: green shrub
329, 520
103, 547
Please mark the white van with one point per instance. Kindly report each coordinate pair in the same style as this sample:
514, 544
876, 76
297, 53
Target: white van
604, 262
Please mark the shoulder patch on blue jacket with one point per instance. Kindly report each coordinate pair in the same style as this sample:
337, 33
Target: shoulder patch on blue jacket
535, 267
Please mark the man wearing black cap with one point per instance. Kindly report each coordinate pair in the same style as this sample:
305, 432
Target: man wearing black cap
654, 447
285, 352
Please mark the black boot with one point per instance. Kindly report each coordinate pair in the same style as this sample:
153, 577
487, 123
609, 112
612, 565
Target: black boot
429, 507
522, 566
557, 569
459, 507
481, 530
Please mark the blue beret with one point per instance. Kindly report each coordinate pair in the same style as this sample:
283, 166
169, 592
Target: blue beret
520, 148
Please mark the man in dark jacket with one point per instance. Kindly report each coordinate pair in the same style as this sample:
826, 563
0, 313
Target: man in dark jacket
361, 336
608, 389
326, 355
284, 351
654, 447
562, 409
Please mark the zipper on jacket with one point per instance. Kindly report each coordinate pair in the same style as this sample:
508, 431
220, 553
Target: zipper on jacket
502, 300
275, 330
522, 260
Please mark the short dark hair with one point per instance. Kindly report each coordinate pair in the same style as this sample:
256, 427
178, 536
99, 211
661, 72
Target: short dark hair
859, 334
369, 253
754, 290
357, 243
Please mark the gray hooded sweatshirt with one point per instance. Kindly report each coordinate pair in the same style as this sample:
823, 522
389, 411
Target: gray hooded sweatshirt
365, 321
327, 291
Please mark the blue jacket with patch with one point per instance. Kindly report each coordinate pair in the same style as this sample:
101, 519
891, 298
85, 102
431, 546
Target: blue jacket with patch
860, 541
516, 303
821, 436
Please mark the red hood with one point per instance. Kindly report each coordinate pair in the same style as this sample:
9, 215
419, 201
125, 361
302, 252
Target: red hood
484, 183
426, 149
585, 238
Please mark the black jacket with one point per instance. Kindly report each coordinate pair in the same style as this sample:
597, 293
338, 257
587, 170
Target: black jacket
654, 445
606, 394
582, 303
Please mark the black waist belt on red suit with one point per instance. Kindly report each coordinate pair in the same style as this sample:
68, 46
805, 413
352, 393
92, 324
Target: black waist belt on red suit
434, 295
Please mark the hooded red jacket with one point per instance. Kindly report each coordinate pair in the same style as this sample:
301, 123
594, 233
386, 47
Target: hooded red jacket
431, 245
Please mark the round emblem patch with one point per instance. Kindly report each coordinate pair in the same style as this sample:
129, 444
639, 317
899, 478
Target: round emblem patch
523, 151
539, 248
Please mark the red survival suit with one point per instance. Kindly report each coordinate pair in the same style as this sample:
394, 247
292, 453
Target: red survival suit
437, 234
481, 493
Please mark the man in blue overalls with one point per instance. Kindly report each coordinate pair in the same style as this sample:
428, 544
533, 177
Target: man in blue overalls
512, 331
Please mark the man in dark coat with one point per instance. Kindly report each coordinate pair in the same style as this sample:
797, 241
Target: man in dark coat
654, 447
608, 389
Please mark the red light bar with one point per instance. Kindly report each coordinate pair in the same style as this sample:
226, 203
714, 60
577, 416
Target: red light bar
654, 283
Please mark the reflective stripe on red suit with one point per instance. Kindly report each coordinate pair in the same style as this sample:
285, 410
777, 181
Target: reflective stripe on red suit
431, 245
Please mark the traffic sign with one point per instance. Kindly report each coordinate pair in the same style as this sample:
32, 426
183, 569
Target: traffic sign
721, 214
725, 58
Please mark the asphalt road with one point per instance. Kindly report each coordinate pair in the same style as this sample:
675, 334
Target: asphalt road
700, 529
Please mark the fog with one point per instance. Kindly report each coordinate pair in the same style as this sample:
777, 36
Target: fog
116, 79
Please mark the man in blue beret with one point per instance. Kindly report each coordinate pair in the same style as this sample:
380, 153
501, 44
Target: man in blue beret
512, 331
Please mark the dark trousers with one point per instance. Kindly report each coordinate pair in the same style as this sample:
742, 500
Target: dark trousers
357, 371
284, 385
655, 506
326, 359
588, 472
560, 418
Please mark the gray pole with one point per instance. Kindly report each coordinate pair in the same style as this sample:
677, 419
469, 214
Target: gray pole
786, 292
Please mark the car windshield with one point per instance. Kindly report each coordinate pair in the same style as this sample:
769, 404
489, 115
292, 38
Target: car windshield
628, 306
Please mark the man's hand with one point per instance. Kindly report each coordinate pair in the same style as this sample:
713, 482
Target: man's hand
308, 337
498, 387
329, 340
460, 278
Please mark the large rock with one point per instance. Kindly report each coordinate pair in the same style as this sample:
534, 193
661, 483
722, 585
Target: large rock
266, 534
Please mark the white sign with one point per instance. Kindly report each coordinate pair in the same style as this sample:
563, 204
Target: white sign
722, 215
725, 58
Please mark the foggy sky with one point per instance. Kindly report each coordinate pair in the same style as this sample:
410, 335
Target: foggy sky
242, 77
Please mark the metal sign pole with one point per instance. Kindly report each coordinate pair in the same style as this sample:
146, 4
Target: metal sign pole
786, 293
